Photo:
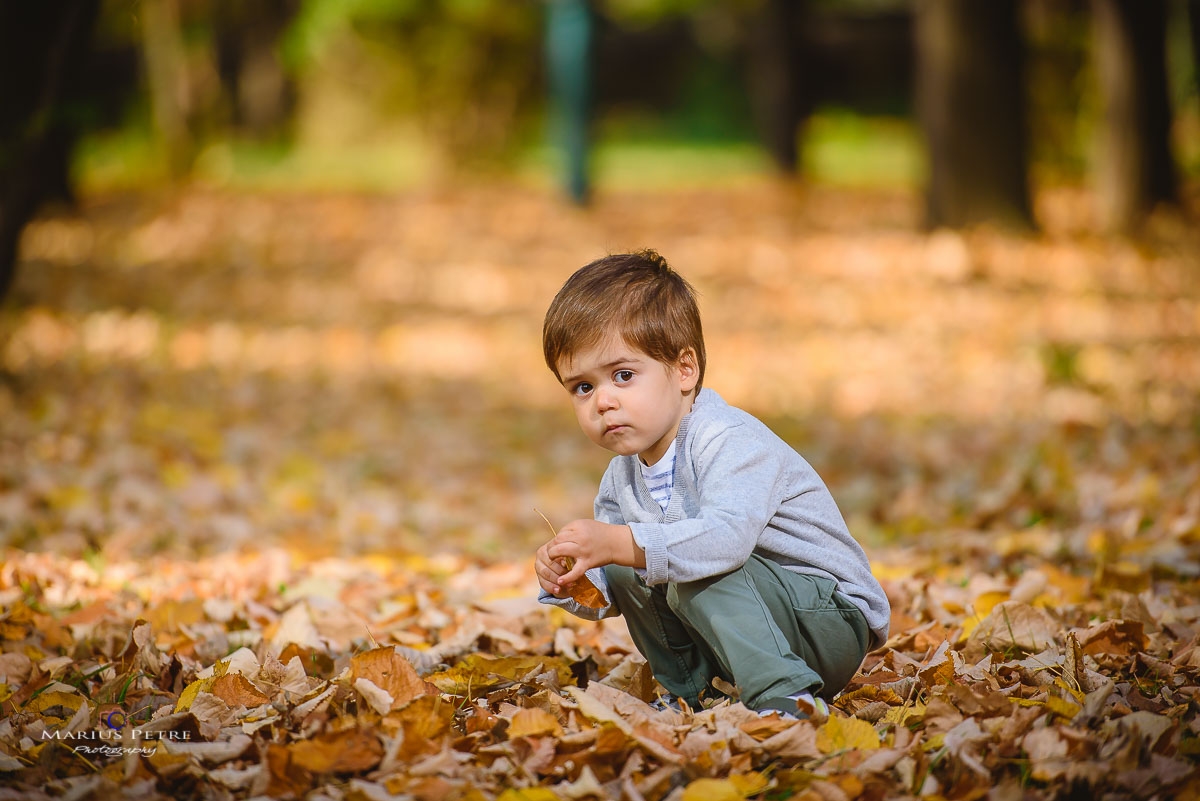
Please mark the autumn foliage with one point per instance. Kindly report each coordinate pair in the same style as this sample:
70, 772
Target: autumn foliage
270, 465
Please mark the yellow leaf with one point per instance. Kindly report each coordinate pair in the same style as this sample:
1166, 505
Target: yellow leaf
1061, 706
534, 723
750, 783
48, 701
1073, 589
477, 674
528, 794
67, 497
846, 734
712, 790
188, 696
169, 616
901, 715
1076, 694
983, 607
166, 763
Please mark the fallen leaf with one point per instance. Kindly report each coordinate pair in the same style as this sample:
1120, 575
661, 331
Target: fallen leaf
390, 672
1118, 637
350, 751
1015, 625
236, 690
839, 734
534, 723
712, 790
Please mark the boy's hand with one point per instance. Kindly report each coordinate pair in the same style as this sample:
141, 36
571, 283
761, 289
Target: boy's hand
590, 543
549, 571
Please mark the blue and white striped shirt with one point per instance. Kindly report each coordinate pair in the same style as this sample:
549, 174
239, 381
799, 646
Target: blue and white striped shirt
660, 477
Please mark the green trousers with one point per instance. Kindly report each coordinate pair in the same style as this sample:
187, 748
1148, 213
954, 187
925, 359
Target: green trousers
766, 630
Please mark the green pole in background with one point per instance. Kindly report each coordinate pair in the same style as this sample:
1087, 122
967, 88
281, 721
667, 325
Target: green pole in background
568, 67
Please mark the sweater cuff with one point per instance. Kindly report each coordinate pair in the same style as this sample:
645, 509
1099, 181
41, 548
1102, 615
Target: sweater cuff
649, 537
598, 578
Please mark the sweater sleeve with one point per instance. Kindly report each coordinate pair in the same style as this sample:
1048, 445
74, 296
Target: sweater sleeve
739, 488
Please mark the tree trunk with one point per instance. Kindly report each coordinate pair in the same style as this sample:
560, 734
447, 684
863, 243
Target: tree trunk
970, 101
777, 69
166, 74
1135, 171
45, 44
568, 43
261, 93
1193, 14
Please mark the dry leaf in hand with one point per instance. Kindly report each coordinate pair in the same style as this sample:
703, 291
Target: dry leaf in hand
585, 592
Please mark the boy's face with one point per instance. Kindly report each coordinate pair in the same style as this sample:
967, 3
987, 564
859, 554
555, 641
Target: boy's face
626, 401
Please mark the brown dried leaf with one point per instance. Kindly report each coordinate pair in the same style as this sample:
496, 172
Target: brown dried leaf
236, 690
586, 593
1118, 637
350, 751
390, 672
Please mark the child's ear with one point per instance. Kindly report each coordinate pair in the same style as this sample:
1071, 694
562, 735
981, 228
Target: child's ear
689, 370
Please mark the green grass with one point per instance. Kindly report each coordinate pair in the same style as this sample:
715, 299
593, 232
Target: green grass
839, 149
128, 159
845, 149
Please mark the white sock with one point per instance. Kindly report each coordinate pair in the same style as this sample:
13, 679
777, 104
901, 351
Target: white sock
809, 705
806, 704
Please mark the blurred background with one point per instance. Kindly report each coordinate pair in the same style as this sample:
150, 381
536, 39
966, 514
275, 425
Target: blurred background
274, 270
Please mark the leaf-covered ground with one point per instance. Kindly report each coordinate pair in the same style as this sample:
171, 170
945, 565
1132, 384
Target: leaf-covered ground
270, 464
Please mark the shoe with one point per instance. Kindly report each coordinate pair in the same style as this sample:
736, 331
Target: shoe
786, 708
796, 707
669, 702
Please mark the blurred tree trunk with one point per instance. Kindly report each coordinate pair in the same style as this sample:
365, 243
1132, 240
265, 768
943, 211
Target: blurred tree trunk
568, 53
1135, 171
42, 47
777, 71
1193, 15
970, 101
262, 94
166, 74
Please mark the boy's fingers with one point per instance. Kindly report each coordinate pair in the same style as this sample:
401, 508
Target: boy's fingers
550, 573
562, 550
572, 575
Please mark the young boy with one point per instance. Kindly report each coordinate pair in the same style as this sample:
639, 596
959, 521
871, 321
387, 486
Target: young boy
717, 541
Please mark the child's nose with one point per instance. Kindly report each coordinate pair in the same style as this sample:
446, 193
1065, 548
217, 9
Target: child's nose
605, 399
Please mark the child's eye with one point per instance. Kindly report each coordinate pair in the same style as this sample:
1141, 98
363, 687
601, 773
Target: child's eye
581, 388
622, 376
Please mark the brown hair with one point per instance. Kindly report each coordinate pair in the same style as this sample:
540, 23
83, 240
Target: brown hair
636, 295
